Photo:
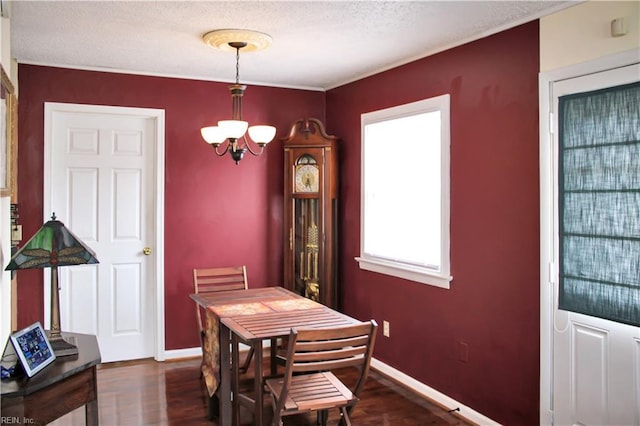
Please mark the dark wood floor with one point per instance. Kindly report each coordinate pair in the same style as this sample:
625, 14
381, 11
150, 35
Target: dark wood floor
171, 393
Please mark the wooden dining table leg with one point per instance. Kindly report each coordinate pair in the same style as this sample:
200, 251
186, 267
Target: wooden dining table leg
257, 383
224, 388
235, 379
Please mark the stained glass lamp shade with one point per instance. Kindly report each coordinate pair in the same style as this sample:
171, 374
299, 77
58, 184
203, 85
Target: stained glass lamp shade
52, 246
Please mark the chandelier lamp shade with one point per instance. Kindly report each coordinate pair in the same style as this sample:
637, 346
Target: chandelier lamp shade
231, 135
51, 247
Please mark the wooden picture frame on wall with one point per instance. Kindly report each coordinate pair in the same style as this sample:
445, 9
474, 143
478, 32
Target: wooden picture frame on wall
8, 112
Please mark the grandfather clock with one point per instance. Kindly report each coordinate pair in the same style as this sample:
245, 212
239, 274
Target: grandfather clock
310, 211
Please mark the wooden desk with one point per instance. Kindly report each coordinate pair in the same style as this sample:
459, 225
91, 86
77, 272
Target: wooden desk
66, 384
252, 316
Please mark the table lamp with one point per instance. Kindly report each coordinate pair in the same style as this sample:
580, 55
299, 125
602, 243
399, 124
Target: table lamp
52, 246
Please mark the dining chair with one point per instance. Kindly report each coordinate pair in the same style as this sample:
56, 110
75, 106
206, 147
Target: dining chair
209, 280
308, 383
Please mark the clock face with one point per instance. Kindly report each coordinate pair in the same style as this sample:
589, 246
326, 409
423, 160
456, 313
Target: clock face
307, 178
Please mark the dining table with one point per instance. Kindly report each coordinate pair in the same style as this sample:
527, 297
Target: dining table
252, 316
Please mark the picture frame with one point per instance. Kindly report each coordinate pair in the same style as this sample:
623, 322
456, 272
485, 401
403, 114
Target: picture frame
8, 110
32, 348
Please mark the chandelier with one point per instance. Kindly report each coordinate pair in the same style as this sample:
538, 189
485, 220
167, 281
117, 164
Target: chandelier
230, 135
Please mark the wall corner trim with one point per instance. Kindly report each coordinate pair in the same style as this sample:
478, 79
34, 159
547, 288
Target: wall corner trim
429, 393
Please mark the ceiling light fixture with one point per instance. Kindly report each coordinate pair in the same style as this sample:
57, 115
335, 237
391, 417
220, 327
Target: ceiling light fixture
233, 131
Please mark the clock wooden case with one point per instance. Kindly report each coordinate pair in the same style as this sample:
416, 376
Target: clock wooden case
310, 211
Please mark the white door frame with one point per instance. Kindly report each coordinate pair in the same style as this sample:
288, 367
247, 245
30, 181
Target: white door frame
158, 206
548, 271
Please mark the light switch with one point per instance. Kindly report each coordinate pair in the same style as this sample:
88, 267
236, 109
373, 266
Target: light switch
16, 233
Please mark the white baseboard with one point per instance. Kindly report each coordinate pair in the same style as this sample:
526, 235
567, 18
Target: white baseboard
182, 353
431, 394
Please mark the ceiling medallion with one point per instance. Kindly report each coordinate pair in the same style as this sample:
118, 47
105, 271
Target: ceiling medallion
223, 39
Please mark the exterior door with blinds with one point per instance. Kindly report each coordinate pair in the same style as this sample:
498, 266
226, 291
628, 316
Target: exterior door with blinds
596, 339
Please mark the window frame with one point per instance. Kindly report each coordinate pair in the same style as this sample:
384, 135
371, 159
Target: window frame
440, 277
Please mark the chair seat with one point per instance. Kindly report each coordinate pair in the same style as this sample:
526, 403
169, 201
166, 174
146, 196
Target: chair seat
312, 392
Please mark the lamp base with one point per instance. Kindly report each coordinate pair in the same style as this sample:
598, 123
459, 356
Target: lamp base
63, 348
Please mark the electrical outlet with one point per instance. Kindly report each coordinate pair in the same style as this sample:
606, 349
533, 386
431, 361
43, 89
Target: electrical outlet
385, 328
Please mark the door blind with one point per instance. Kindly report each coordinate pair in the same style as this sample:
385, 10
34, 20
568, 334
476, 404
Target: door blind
599, 203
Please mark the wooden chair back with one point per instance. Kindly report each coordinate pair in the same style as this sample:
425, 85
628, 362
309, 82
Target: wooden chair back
311, 354
210, 280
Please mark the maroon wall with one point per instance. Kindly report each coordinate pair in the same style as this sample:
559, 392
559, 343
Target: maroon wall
216, 213
493, 303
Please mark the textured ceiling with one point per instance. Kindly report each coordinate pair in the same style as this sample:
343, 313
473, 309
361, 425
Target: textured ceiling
316, 44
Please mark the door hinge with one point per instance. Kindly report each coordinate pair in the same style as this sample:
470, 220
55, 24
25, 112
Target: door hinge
551, 122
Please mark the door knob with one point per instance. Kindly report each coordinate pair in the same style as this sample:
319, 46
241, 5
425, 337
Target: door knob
146, 251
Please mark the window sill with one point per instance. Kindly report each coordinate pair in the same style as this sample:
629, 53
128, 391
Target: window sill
408, 272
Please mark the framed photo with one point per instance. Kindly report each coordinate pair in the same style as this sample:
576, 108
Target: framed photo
8, 112
32, 348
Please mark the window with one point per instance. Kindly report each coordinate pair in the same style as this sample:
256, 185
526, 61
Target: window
405, 191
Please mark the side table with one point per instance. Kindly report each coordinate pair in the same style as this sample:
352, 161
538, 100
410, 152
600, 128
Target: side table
68, 383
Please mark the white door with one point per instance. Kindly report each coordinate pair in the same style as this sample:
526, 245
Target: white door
596, 362
101, 185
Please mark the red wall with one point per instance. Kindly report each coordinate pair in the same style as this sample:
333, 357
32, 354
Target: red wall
216, 213
493, 303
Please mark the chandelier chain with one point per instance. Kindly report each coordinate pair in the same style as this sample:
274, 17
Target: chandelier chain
237, 65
